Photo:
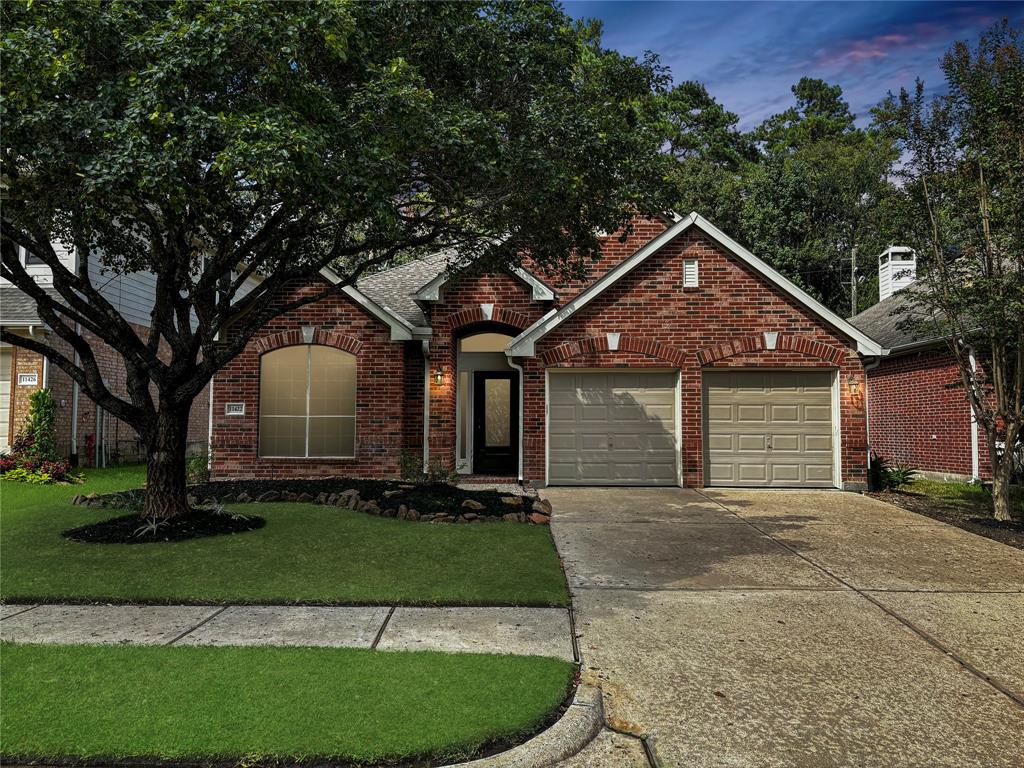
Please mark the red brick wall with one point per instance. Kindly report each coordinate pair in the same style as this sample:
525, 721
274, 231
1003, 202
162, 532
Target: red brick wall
717, 324
123, 444
920, 416
380, 395
457, 314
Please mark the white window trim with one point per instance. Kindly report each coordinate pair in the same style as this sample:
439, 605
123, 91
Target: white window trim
260, 416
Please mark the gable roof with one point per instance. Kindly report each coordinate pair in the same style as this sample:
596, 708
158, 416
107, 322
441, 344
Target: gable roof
540, 290
401, 329
396, 287
884, 322
524, 344
18, 308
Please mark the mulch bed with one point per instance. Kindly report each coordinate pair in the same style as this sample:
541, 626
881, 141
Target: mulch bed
131, 529
1011, 532
428, 499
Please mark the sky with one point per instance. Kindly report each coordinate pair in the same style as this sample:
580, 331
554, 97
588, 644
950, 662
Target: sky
749, 54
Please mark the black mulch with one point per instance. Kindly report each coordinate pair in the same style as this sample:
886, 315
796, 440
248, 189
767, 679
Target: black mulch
131, 529
1006, 532
432, 498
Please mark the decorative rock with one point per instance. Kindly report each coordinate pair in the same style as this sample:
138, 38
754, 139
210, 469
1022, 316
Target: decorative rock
538, 519
427, 518
80, 499
332, 500
321, 498
242, 498
391, 494
512, 517
389, 512
521, 517
543, 506
512, 501
406, 486
412, 515
190, 499
371, 506
469, 515
473, 504
461, 519
304, 498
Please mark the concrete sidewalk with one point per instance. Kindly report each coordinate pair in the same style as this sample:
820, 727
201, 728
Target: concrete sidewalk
520, 631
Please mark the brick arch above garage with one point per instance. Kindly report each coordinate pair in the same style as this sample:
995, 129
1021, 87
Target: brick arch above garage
602, 346
762, 342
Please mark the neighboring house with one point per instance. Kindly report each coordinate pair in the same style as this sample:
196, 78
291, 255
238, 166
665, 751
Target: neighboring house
919, 413
683, 360
86, 433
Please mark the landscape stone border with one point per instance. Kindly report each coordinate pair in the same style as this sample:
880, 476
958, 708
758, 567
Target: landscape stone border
535, 511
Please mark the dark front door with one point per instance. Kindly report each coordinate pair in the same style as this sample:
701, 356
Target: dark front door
495, 422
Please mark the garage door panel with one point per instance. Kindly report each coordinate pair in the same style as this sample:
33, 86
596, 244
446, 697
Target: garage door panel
612, 428
769, 428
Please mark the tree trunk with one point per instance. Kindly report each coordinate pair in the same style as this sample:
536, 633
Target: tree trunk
166, 495
1001, 472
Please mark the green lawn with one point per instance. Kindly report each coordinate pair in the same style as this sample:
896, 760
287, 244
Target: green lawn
971, 497
305, 553
246, 703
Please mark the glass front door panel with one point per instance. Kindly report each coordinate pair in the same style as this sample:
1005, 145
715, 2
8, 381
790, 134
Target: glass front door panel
498, 402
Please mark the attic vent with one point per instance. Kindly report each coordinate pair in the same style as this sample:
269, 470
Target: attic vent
690, 274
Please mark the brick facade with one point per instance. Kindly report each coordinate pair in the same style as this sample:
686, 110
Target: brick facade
718, 324
114, 438
381, 385
920, 416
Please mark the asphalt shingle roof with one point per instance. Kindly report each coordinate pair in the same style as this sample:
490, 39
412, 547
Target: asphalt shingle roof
885, 321
17, 308
395, 288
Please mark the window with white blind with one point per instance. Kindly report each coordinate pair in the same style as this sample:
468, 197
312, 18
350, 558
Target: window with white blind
690, 274
308, 402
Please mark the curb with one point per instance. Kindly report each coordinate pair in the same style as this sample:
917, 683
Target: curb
582, 721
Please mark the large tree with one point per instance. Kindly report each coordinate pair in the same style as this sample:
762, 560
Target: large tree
208, 143
712, 154
964, 177
816, 194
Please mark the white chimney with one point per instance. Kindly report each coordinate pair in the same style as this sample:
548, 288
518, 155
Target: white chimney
897, 268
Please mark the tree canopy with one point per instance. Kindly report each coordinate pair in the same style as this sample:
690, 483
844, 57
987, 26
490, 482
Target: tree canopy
209, 143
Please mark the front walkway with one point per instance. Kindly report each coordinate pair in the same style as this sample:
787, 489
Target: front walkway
780, 628
520, 631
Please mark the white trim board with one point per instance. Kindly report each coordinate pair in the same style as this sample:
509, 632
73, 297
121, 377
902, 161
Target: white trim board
401, 330
524, 345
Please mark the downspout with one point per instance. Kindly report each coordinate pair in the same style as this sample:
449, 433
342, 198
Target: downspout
74, 404
867, 408
209, 430
975, 457
521, 419
426, 405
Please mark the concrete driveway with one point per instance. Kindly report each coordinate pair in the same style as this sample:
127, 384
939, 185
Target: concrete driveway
777, 628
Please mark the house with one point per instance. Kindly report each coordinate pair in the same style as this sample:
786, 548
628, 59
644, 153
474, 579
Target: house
682, 360
85, 433
918, 412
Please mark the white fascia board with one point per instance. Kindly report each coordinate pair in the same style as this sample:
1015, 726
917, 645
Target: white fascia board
524, 344
401, 330
540, 292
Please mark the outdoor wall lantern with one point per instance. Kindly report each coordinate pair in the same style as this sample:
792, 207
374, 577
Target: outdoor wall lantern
438, 376
853, 384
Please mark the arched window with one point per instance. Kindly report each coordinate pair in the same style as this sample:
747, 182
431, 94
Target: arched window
308, 402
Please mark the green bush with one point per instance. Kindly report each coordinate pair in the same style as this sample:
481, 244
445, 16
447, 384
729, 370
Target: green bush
42, 425
197, 468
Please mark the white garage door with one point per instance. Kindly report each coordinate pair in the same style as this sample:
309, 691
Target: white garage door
769, 428
5, 397
612, 428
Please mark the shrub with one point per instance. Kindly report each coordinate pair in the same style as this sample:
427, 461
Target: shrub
33, 457
886, 476
197, 468
410, 465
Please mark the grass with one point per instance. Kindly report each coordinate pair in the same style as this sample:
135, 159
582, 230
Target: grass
246, 703
972, 497
305, 553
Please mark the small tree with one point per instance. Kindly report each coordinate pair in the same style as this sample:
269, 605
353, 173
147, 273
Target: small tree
964, 170
41, 425
210, 143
